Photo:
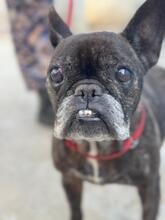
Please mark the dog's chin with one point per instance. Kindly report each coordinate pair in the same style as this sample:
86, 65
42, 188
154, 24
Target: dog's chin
91, 130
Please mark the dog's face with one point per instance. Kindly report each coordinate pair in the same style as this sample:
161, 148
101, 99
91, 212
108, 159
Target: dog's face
95, 82
95, 85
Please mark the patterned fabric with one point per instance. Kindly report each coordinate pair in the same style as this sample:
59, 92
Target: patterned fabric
29, 27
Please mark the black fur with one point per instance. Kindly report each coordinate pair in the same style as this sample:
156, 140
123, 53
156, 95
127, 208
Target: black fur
89, 63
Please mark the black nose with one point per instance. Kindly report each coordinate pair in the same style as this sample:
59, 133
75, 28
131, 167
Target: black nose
88, 91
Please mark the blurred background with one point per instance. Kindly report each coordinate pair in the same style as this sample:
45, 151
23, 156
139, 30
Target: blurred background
29, 185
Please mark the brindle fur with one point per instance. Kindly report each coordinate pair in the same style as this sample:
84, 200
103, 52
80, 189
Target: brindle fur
138, 47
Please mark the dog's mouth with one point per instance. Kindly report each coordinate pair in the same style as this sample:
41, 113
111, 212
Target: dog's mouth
101, 120
87, 124
88, 115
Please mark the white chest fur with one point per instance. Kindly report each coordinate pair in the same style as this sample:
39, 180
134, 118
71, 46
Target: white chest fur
95, 177
94, 163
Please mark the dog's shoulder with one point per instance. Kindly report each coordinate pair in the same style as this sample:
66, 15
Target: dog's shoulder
153, 93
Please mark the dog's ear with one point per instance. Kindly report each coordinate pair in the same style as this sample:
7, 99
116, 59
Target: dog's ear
57, 28
146, 30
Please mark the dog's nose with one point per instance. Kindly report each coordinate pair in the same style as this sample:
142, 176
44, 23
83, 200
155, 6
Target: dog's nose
88, 91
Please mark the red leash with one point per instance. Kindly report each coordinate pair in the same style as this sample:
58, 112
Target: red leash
127, 144
70, 12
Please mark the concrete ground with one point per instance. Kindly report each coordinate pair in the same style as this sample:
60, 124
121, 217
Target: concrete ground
29, 185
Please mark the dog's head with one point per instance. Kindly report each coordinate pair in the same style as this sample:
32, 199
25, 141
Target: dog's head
95, 80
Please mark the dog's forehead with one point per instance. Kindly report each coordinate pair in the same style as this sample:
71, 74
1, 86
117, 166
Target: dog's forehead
93, 44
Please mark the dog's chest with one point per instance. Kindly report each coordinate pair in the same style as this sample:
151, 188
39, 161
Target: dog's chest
113, 171
96, 177
91, 171
99, 172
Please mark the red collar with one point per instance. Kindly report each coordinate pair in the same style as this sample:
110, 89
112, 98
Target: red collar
127, 144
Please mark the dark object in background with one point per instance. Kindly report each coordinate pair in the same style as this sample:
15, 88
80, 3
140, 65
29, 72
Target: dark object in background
95, 84
29, 29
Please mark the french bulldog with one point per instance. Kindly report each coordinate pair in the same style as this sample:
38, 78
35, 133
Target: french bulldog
109, 106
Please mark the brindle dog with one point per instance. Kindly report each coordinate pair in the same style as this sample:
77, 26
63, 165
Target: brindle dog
95, 83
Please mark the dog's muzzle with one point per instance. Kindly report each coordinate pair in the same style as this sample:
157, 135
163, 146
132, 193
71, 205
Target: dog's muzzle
90, 113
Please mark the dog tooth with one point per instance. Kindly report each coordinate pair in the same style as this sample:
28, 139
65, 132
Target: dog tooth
85, 113
88, 112
81, 113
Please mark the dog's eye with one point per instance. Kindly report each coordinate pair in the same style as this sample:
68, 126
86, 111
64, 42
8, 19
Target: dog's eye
56, 75
123, 75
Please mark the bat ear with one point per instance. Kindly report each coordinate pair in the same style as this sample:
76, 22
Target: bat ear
57, 28
145, 32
